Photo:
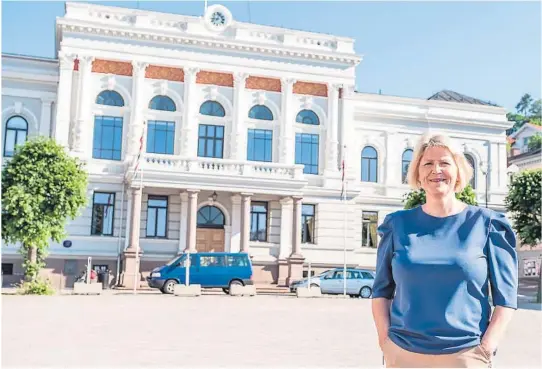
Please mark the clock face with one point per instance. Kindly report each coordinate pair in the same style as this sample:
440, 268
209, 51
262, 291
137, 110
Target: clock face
218, 19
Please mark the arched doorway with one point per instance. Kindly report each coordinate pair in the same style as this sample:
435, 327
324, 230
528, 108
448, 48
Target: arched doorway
210, 234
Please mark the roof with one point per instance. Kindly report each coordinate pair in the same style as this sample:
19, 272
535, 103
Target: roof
523, 127
524, 155
452, 96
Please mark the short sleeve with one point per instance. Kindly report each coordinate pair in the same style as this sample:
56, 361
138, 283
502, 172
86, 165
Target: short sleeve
384, 285
503, 262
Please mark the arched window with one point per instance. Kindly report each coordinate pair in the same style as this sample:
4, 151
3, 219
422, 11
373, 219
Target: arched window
111, 98
212, 108
369, 165
261, 112
405, 162
307, 117
163, 103
470, 159
16, 133
210, 217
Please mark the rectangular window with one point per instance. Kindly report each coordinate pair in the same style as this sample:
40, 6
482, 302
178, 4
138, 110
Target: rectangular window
259, 145
258, 221
369, 226
307, 222
103, 213
160, 137
157, 216
211, 141
7, 268
237, 260
306, 152
107, 138
211, 261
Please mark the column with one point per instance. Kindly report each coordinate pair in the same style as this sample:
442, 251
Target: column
83, 127
332, 162
128, 218
296, 259
287, 138
131, 270
192, 220
245, 222
137, 119
235, 244
238, 133
189, 128
61, 132
45, 117
286, 237
184, 222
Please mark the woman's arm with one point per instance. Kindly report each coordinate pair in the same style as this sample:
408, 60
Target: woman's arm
381, 316
500, 319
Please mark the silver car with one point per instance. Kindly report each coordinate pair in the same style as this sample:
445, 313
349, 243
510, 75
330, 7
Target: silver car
359, 282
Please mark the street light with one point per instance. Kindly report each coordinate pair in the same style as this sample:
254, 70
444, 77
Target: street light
485, 171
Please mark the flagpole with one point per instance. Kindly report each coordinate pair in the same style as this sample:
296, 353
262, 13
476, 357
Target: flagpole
345, 208
136, 274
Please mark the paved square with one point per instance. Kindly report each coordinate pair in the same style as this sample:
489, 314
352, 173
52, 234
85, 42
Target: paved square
152, 330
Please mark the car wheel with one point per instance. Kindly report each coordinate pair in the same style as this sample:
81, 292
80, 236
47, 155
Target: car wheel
226, 290
313, 285
235, 282
365, 292
169, 286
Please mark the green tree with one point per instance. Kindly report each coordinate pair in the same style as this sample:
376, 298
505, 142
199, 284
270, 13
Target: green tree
416, 198
42, 188
524, 103
535, 110
535, 142
527, 110
523, 202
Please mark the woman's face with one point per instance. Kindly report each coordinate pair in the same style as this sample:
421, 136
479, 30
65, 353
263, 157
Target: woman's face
437, 172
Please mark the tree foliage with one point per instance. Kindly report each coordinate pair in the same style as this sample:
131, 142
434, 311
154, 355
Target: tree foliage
523, 201
528, 110
42, 188
535, 142
417, 198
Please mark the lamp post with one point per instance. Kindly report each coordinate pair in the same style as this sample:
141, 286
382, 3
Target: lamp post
485, 171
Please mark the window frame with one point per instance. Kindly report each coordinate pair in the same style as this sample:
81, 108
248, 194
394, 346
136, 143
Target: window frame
300, 120
123, 103
16, 130
266, 109
164, 99
303, 221
470, 160
214, 139
259, 203
368, 223
404, 177
369, 166
207, 225
265, 139
93, 223
8, 267
173, 133
157, 197
115, 118
307, 169
215, 103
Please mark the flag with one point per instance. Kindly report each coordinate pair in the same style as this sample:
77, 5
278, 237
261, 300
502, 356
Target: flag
138, 160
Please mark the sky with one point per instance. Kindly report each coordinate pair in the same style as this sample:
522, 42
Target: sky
488, 50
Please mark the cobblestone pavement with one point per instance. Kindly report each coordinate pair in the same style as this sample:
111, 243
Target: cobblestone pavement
152, 330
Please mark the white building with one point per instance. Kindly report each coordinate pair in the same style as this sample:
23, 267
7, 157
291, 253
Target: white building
245, 129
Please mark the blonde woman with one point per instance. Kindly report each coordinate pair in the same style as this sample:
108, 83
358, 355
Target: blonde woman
436, 266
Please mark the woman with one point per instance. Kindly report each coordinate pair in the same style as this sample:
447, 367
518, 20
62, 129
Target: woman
435, 266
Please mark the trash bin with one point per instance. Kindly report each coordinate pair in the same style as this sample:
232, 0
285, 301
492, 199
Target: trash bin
103, 278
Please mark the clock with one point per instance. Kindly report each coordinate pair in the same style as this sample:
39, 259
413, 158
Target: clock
217, 18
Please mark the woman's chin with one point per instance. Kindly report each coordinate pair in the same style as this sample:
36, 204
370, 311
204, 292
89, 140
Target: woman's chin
439, 191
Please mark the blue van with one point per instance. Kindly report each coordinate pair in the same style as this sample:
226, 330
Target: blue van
208, 269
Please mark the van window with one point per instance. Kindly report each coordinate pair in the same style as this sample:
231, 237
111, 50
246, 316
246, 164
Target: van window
211, 261
237, 260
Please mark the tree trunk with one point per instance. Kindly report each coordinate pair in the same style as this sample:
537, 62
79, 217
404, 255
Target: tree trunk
32, 258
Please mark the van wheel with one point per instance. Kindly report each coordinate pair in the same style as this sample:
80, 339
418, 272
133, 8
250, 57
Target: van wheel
365, 292
169, 286
235, 282
226, 290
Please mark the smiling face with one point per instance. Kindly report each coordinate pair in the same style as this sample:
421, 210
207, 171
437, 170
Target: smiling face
438, 171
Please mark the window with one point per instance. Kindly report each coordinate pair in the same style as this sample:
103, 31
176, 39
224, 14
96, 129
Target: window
407, 158
259, 145
369, 165
107, 138
210, 217
368, 230
237, 260
211, 261
103, 213
307, 117
111, 98
258, 221
16, 133
212, 108
470, 159
157, 216
307, 222
353, 274
306, 152
160, 137
261, 112
7, 268
211, 141
306, 273
367, 275
163, 103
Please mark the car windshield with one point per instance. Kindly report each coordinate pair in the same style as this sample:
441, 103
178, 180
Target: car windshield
172, 261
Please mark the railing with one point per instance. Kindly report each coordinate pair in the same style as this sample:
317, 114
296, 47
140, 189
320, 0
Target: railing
157, 162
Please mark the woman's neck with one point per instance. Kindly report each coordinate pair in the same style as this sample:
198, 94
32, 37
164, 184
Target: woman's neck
443, 206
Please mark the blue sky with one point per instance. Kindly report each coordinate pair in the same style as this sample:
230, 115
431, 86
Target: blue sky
488, 50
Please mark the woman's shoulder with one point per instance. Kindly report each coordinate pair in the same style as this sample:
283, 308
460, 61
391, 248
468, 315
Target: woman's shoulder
489, 214
402, 214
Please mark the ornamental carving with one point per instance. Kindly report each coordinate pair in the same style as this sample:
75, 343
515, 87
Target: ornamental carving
309, 88
165, 73
112, 67
262, 83
213, 78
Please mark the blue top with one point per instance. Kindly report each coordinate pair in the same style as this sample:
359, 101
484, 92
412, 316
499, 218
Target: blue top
439, 270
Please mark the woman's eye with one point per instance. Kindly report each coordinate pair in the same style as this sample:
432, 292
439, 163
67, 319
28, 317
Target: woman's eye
427, 164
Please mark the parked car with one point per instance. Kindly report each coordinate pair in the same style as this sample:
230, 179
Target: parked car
359, 282
210, 270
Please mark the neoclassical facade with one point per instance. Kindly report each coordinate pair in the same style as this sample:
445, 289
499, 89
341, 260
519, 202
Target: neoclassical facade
208, 134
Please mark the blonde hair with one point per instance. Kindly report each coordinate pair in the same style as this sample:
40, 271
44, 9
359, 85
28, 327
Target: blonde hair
464, 169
